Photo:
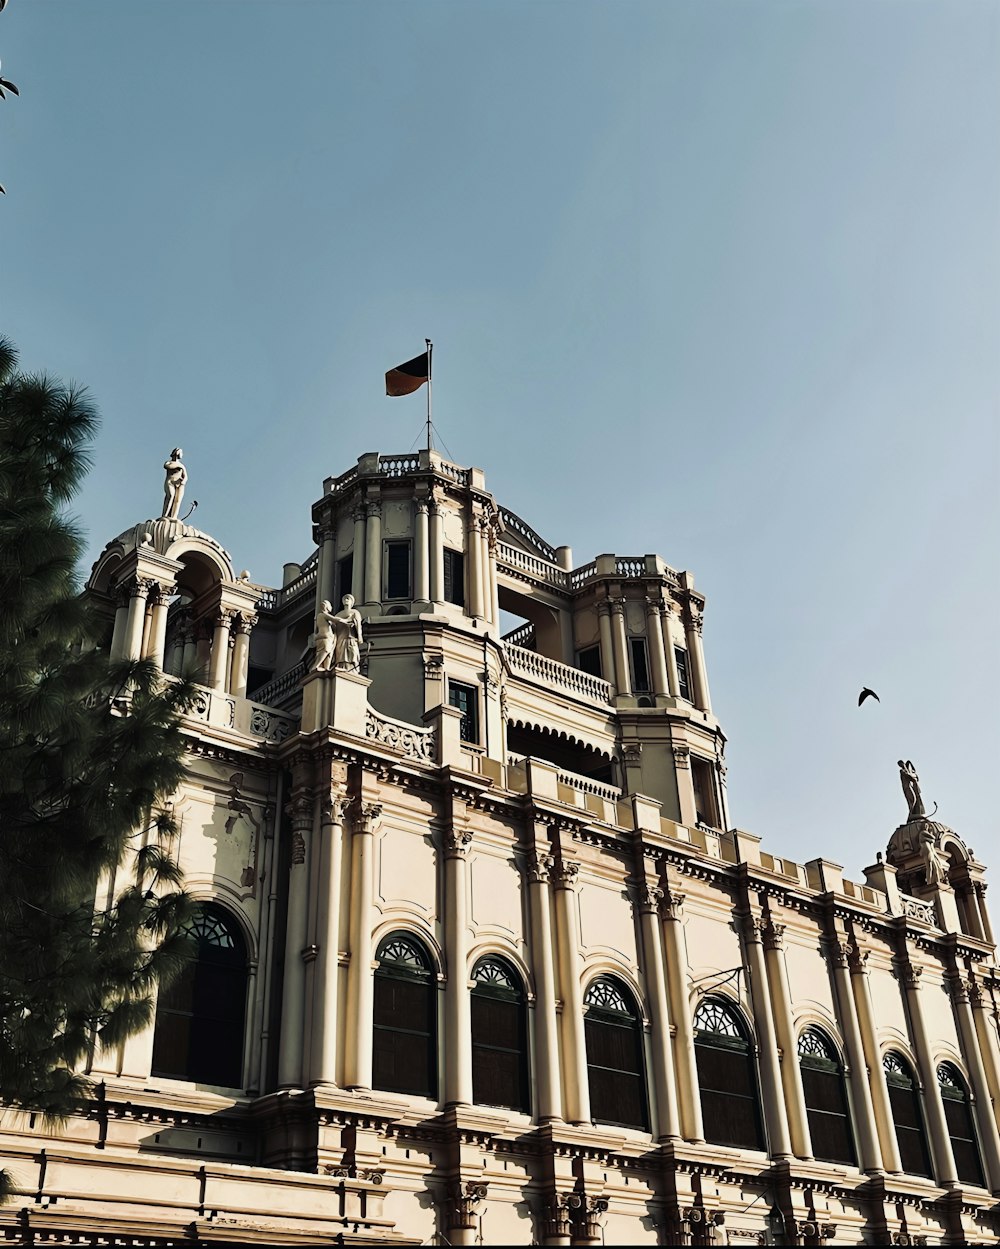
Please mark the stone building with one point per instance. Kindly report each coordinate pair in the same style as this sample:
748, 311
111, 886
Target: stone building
481, 958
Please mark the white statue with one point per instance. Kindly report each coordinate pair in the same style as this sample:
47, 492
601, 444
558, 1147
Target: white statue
173, 486
934, 860
911, 789
348, 625
324, 637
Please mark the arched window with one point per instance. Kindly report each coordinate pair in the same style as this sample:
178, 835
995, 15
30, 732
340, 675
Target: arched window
614, 1055
198, 1034
904, 1098
499, 1037
404, 1056
961, 1131
727, 1078
826, 1099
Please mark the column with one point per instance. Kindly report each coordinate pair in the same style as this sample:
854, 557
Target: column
574, 1046
864, 1114
781, 1008
770, 1070
159, 606
623, 681
300, 813
937, 1126
360, 984
876, 1072
657, 653
136, 618
243, 623
696, 657
673, 680
983, 1107
421, 554
219, 664
358, 555
647, 902
437, 553
373, 555
457, 1002
989, 1044
546, 1022
675, 954
326, 572
325, 1014
484, 564
122, 597
491, 567
607, 648
475, 571
189, 659
979, 889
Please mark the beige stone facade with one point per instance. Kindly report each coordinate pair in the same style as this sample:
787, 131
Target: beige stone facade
518, 849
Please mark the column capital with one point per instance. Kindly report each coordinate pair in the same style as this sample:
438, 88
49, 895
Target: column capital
910, 975
694, 618
958, 990
671, 904
682, 755
565, 874
462, 1203
774, 935
647, 897
603, 608
368, 817
838, 950
538, 867
373, 508
456, 842
422, 506
632, 753
359, 512
244, 621
618, 606
158, 594
224, 617
654, 605
139, 587
754, 927
334, 805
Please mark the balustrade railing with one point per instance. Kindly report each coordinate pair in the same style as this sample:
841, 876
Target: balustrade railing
305, 581
530, 566
523, 635
398, 465
587, 785
457, 474
512, 521
630, 565
409, 739
270, 693
579, 575
564, 677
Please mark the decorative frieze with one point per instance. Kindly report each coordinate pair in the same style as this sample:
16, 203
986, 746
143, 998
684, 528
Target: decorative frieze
409, 740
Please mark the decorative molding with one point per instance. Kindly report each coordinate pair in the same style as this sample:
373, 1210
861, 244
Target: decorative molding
774, 935
538, 867
462, 1204
682, 756
368, 817
672, 905
565, 874
335, 805
647, 897
408, 739
456, 842
632, 753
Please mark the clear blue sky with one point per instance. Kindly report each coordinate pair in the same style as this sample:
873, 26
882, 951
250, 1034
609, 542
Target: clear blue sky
715, 279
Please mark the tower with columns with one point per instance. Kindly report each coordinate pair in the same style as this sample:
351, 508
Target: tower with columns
480, 956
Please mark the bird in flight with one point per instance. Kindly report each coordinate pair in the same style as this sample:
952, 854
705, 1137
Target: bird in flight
867, 693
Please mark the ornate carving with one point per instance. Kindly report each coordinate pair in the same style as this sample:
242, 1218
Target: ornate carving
335, 805
538, 867
173, 485
858, 960
911, 976
413, 742
916, 908
244, 622
618, 606
369, 816
648, 897
434, 667
603, 607
359, 513
838, 951
421, 506
565, 874
462, 1203
374, 509
682, 756
774, 935
958, 990
457, 841
632, 753
300, 814
672, 905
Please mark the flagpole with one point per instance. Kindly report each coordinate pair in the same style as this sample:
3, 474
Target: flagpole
430, 349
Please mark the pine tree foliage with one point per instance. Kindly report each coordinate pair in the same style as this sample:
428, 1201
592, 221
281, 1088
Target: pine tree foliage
90, 752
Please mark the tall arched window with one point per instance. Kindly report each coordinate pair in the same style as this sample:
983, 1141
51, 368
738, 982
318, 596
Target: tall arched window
404, 1057
826, 1099
727, 1078
615, 1068
198, 1034
961, 1130
904, 1099
499, 1037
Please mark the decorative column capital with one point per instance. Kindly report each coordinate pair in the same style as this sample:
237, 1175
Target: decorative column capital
618, 606
682, 755
858, 960
158, 594
647, 897
695, 618
368, 817
958, 990
462, 1203
223, 618
565, 874
244, 622
334, 805
632, 753
538, 867
774, 935
373, 509
754, 927
456, 842
911, 976
603, 608
359, 512
654, 606
976, 996
421, 506
139, 587
671, 905
838, 950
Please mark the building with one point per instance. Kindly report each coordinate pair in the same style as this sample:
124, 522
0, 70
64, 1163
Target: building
482, 958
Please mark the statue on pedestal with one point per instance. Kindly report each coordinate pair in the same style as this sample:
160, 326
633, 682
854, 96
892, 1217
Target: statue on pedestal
911, 789
325, 618
173, 486
934, 861
348, 625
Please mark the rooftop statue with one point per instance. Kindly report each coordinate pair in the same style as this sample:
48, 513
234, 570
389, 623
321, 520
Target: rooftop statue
911, 789
323, 660
338, 637
173, 485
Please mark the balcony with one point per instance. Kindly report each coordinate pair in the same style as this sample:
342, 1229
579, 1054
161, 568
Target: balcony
562, 677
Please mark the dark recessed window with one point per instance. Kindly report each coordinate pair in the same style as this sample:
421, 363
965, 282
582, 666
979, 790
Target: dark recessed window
727, 1078
961, 1130
199, 1026
904, 1099
454, 577
683, 680
640, 665
345, 576
615, 1068
589, 660
826, 1099
499, 1037
397, 570
466, 699
404, 1052
703, 780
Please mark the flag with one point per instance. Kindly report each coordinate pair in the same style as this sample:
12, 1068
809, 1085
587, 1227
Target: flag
404, 379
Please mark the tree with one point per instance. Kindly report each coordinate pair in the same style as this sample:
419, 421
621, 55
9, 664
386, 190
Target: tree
90, 750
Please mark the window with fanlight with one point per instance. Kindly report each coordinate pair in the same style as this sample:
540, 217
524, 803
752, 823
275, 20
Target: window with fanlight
615, 1067
200, 1016
404, 1044
961, 1128
825, 1095
727, 1077
499, 1036
907, 1116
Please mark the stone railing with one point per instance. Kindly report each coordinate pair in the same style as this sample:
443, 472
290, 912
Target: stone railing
226, 711
457, 474
410, 740
562, 676
271, 693
398, 465
303, 582
587, 785
579, 575
530, 566
630, 565
521, 527
523, 635
918, 909
269, 600
345, 479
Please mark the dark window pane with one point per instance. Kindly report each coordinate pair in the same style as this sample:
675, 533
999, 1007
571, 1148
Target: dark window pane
826, 1110
454, 577
466, 699
499, 1037
961, 1131
589, 660
683, 681
404, 1047
615, 1070
397, 576
345, 576
703, 781
640, 667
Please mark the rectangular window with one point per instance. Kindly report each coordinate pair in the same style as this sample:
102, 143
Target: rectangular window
683, 681
345, 577
466, 699
640, 665
454, 577
397, 570
589, 660
706, 811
